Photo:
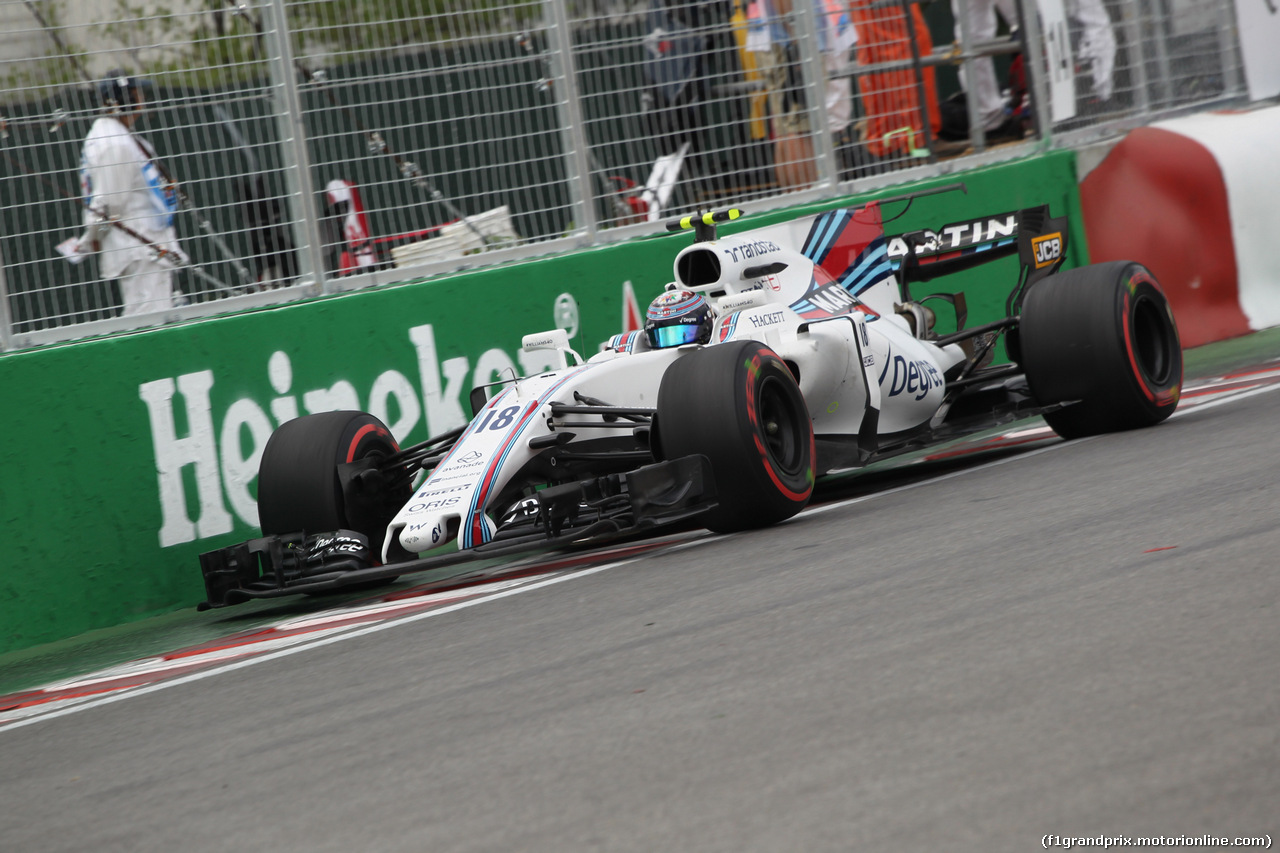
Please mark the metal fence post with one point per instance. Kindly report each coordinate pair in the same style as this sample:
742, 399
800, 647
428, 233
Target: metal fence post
1229, 51
1131, 17
814, 72
293, 143
6, 318
577, 154
1034, 62
977, 133
1160, 30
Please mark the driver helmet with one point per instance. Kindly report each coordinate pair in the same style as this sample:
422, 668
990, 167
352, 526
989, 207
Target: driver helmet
117, 90
679, 317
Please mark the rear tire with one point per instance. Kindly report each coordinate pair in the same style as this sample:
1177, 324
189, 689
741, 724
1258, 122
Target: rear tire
738, 405
1103, 335
298, 484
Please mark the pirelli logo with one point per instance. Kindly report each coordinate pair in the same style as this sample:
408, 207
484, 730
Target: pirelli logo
1047, 249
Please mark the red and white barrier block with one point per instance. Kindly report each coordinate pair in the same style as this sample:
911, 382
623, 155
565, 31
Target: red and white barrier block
1197, 200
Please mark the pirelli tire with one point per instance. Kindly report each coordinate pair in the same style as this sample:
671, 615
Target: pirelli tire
299, 487
1102, 335
738, 405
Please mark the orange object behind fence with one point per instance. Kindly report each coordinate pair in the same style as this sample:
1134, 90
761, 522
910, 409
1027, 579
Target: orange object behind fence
891, 99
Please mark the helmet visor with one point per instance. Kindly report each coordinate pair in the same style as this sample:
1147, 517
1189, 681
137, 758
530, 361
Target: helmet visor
674, 336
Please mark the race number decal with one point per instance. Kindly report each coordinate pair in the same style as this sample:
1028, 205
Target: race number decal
1047, 249
502, 421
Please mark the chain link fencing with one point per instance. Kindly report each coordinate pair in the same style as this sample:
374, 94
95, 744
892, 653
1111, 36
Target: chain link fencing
300, 147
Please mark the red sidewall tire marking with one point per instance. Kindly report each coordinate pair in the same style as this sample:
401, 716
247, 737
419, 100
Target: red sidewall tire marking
753, 370
1159, 400
365, 430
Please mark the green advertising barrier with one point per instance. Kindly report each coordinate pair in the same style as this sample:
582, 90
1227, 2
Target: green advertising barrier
126, 457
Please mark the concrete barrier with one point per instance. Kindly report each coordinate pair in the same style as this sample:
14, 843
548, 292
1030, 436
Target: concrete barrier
1196, 199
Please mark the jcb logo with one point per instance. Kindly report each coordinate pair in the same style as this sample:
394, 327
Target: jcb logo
1047, 249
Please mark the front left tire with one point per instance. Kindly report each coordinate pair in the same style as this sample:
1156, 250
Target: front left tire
299, 487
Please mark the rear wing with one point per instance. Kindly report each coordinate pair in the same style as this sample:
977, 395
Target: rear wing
1039, 240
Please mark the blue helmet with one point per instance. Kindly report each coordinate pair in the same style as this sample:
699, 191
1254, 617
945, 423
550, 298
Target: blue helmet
679, 317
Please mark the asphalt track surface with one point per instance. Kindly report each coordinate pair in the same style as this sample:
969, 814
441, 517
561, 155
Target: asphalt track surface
1080, 640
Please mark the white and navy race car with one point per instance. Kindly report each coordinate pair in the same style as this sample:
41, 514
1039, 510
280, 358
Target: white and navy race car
775, 356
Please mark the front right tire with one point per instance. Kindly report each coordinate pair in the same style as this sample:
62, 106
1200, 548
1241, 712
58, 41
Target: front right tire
739, 405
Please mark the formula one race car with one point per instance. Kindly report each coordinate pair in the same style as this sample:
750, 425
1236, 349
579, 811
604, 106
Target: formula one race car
760, 369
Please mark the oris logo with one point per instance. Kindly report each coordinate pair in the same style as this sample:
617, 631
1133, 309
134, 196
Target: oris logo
441, 503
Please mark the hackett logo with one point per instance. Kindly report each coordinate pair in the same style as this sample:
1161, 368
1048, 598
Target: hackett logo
220, 451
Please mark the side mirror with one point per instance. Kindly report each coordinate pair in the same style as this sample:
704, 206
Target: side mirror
556, 340
479, 396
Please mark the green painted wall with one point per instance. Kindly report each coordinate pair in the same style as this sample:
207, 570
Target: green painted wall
126, 457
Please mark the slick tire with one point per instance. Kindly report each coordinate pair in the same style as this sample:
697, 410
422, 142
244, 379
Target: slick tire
1102, 335
298, 483
738, 405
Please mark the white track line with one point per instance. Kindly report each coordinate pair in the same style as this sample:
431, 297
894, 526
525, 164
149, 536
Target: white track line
1226, 397
129, 693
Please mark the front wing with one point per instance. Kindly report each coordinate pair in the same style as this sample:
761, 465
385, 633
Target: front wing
571, 514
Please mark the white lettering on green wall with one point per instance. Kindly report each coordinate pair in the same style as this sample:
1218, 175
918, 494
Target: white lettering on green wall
173, 454
220, 451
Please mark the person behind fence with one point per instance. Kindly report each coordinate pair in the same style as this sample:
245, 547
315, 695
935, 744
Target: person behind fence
993, 109
1095, 46
891, 36
129, 204
772, 41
